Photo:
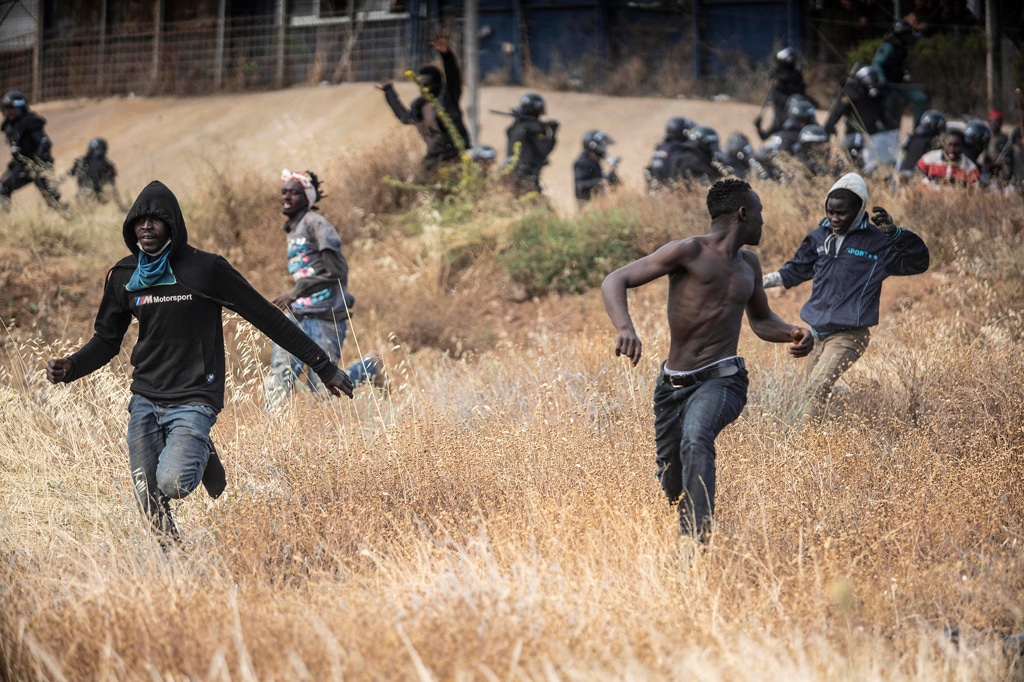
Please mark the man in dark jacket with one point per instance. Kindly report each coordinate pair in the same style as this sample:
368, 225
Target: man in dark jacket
786, 80
892, 60
530, 143
31, 152
861, 105
589, 178
848, 257
94, 172
445, 140
664, 166
177, 292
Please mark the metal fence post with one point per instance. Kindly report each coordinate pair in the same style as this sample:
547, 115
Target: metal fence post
154, 74
218, 58
279, 67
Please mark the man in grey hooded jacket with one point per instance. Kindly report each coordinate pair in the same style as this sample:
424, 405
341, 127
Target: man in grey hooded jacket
847, 257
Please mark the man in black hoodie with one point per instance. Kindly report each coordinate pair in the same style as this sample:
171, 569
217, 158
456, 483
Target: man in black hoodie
177, 292
442, 147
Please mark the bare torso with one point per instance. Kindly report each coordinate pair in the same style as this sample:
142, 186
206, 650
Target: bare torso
707, 296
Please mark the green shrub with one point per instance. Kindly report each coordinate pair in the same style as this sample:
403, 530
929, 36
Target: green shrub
549, 254
950, 67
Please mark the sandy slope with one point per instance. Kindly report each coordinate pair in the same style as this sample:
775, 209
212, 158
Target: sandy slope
168, 139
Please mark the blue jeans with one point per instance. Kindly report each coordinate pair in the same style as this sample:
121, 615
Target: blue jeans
285, 368
168, 448
686, 423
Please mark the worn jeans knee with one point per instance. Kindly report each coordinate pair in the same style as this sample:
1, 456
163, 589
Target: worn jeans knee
687, 421
168, 448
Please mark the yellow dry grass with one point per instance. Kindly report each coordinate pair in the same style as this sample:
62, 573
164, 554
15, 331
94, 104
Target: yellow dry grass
496, 517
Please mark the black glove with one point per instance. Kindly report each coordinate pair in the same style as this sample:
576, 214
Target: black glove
880, 217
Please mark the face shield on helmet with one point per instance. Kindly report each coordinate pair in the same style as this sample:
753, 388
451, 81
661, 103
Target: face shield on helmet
787, 56
678, 128
867, 76
738, 147
14, 100
531, 104
932, 123
800, 109
97, 147
813, 134
706, 139
977, 134
597, 141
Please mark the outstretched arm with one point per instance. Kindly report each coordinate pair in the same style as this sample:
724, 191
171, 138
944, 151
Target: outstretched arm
667, 259
767, 324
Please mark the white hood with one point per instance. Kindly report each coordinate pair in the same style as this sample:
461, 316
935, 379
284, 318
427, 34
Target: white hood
854, 183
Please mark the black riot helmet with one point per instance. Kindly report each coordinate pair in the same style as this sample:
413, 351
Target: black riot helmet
706, 138
97, 148
788, 57
977, 134
902, 28
932, 123
678, 128
738, 147
531, 104
867, 76
813, 133
800, 109
597, 141
14, 99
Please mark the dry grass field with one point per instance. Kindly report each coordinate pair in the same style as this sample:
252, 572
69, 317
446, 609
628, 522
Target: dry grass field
495, 516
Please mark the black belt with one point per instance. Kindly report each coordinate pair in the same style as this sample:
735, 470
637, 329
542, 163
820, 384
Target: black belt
725, 368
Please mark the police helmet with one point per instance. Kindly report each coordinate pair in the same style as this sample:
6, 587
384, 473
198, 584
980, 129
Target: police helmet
902, 28
15, 99
813, 134
868, 77
932, 123
597, 141
787, 56
678, 127
977, 134
738, 147
706, 138
799, 108
531, 104
97, 147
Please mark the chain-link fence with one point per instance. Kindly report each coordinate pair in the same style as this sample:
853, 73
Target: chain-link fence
201, 56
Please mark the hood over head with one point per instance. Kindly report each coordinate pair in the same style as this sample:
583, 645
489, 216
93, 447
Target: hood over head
158, 201
854, 183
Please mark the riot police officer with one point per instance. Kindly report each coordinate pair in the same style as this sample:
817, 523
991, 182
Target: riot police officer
31, 152
530, 142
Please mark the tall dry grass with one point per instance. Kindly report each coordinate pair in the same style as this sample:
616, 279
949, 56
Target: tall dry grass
496, 516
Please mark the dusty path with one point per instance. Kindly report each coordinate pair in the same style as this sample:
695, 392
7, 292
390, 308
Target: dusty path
173, 139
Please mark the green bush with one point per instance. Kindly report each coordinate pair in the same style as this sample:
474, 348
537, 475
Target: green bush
549, 254
950, 67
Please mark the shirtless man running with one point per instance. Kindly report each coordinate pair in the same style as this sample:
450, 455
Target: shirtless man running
702, 386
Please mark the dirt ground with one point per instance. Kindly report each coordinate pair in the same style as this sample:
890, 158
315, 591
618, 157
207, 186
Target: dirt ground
304, 127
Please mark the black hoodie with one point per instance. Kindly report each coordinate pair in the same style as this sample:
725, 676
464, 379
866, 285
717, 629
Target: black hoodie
179, 357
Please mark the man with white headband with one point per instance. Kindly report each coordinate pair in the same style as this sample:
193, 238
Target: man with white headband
319, 302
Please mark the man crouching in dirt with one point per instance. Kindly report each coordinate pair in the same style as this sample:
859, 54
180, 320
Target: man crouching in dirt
702, 386
177, 292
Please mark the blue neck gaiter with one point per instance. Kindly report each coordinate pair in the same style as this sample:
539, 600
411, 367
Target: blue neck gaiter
152, 272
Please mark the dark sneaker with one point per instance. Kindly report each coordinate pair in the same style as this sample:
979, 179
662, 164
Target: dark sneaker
380, 377
214, 477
